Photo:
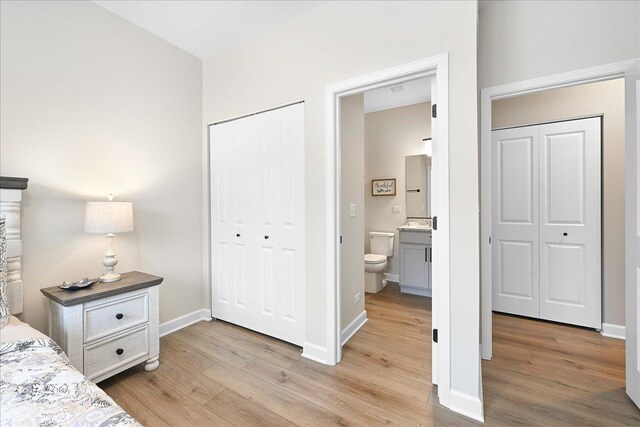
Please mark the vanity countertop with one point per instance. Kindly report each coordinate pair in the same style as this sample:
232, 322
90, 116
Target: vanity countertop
422, 225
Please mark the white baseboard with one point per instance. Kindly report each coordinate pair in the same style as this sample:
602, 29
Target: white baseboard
614, 331
315, 352
416, 291
353, 327
183, 321
469, 406
483, 355
392, 277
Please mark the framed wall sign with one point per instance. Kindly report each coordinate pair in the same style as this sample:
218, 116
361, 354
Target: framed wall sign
383, 187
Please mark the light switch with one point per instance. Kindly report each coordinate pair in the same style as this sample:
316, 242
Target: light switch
397, 208
352, 209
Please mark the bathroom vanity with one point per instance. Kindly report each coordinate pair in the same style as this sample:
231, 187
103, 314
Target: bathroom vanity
415, 237
415, 259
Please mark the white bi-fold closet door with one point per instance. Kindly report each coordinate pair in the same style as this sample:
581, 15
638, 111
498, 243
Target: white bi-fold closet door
546, 221
257, 222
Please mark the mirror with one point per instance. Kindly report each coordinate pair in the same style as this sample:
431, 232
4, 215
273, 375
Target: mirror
418, 185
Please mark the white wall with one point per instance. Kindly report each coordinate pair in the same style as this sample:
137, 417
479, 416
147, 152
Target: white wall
351, 192
340, 40
597, 98
92, 104
390, 136
520, 40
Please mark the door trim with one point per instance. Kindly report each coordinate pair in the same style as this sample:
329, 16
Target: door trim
572, 78
435, 66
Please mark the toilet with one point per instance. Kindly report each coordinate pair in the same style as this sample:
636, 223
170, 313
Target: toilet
375, 263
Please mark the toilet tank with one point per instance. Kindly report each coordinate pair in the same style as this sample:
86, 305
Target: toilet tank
381, 243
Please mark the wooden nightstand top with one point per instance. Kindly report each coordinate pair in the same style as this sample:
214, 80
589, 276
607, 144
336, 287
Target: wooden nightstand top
129, 282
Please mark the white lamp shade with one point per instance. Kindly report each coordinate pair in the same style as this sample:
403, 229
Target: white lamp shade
109, 217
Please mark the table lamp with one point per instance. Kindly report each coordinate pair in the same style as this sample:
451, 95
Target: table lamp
109, 218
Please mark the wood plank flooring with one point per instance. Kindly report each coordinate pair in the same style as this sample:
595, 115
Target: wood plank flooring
216, 373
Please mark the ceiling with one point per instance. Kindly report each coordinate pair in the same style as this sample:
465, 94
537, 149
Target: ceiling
205, 28
415, 92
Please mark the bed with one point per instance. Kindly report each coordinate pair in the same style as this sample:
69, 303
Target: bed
38, 385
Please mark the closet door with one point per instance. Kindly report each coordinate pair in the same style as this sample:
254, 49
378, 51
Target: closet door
515, 230
232, 226
570, 234
279, 187
257, 222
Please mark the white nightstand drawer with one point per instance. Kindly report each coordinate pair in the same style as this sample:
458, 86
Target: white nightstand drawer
115, 316
110, 354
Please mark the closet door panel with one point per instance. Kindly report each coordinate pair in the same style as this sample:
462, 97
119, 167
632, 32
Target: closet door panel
515, 240
565, 268
283, 150
292, 250
232, 227
570, 194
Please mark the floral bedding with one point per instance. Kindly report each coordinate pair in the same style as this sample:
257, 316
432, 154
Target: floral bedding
39, 386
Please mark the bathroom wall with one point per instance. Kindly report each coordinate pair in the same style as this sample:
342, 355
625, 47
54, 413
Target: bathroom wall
389, 136
352, 227
596, 98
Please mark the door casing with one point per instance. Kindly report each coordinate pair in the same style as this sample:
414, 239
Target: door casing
436, 66
624, 69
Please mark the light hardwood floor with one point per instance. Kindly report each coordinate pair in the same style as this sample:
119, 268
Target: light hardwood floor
215, 373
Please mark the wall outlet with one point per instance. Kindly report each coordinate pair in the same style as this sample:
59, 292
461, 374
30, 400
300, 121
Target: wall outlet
397, 208
356, 298
352, 209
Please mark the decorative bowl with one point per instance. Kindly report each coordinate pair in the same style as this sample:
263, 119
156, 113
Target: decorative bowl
80, 284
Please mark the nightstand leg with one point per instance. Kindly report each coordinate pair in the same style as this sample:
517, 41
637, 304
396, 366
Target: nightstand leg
152, 364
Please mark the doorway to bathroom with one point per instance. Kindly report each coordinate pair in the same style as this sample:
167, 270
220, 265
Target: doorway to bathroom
391, 269
385, 224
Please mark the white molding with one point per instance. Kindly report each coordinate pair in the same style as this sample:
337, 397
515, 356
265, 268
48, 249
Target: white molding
467, 405
614, 331
315, 352
353, 327
571, 78
434, 66
392, 277
183, 321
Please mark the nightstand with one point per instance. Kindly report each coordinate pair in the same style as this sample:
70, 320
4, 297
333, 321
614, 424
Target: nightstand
108, 327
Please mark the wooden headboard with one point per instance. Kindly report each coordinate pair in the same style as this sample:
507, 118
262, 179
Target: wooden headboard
10, 202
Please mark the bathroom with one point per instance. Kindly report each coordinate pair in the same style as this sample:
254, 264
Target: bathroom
385, 223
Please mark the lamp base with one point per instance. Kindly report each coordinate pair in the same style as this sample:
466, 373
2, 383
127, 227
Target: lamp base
109, 277
110, 262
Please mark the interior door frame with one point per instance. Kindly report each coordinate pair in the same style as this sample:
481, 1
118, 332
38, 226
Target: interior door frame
434, 66
624, 69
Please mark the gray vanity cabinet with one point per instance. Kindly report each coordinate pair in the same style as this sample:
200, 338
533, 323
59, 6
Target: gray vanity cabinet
415, 262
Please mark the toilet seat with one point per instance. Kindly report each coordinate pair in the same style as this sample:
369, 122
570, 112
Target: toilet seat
374, 259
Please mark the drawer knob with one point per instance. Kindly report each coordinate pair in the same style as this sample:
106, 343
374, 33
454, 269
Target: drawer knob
119, 316
119, 351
